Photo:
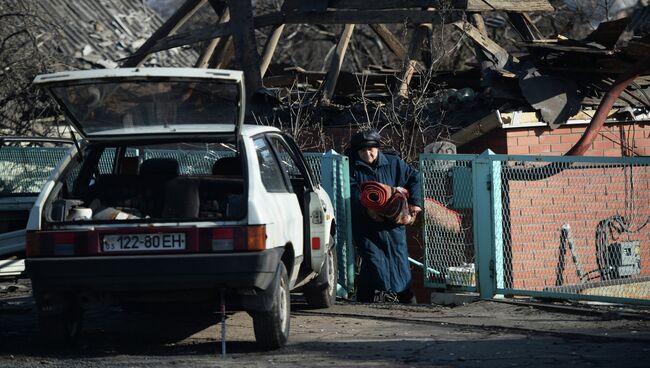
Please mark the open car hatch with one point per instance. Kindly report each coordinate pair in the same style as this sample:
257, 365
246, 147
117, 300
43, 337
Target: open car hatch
127, 103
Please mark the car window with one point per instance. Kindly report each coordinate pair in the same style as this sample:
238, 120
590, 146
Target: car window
287, 161
106, 161
192, 158
269, 169
299, 159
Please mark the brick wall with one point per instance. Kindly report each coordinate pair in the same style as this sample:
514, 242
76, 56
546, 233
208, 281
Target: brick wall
544, 141
613, 140
580, 198
536, 210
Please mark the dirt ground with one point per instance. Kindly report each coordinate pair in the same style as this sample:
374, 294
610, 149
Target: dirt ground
480, 334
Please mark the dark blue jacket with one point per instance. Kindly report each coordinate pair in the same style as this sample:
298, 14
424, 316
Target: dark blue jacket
381, 245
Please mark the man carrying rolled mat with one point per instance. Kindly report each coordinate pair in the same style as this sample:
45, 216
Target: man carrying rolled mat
380, 243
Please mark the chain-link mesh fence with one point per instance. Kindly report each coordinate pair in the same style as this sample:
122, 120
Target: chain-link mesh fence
561, 227
577, 227
449, 256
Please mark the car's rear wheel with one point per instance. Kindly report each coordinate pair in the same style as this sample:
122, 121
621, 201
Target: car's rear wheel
321, 292
272, 326
62, 327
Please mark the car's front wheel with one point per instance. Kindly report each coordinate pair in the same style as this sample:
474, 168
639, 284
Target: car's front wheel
321, 292
272, 326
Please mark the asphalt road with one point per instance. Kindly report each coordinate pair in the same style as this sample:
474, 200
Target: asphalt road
480, 334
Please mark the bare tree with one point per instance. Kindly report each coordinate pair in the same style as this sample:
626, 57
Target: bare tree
22, 56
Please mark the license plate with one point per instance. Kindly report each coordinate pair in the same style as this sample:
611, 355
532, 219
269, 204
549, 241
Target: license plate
143, 242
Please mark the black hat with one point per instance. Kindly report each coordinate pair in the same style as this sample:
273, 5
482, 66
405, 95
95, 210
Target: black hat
365, 139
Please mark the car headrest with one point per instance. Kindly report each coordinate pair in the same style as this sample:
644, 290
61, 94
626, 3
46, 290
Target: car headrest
130, 165
227, 166
167, 167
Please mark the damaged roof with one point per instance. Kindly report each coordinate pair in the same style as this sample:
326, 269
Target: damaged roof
98, 33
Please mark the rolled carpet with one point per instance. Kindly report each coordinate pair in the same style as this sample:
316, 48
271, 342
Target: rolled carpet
387, 202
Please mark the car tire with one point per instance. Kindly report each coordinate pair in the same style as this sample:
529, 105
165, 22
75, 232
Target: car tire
321, 292
61, 328
272, 327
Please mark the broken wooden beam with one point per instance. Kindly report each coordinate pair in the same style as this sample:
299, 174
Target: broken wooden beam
389, 39
525, 27
215, 44
269, 48
223, 54
336, 63
241, 13
172, 24
469, 5
293, 17
498, 54
410, 63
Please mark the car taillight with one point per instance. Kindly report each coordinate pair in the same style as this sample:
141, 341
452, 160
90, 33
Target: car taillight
32, 244
52, 243
256, 237
238, 238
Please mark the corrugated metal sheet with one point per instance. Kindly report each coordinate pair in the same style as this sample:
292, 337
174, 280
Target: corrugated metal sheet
99, 33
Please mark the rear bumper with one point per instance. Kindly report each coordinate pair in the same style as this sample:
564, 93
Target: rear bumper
255, 270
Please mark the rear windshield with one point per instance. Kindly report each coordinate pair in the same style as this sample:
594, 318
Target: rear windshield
24, 167
183, 181
150, 106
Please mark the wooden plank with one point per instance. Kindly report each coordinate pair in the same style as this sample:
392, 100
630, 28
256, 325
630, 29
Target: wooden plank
274, 37
389, 39
500, 55
469, 5
223, 55
508, 5
360, 17
562, 48
169, 27
336, 63
241, 12
293, 17
410, 63
384, 4
269, 48
206, 56
525, 27
306, 5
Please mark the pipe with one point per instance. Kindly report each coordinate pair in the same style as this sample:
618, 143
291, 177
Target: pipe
605, 106
421, 265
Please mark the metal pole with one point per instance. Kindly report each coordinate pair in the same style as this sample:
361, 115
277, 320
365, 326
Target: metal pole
223, 322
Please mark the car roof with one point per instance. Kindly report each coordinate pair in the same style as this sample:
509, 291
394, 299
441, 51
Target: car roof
251, 130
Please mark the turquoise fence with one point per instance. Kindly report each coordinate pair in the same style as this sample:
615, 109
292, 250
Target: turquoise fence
574, 228
334, 173
23, 170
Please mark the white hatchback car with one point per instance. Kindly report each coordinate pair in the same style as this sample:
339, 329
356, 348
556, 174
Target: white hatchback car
170, 197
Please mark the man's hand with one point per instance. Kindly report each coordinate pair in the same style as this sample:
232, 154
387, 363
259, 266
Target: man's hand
413, 211
374, 216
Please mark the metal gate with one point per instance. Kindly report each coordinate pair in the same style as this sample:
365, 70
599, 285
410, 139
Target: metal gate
543, 226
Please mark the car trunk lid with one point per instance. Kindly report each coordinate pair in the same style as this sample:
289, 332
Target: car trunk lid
130, 103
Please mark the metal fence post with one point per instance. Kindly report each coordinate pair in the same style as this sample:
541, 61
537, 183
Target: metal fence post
335, 178
485, 189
